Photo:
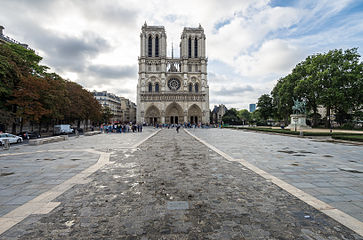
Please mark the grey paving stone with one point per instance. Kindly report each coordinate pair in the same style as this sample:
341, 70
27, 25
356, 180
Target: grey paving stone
323, 184
37, 172
128, 199
347, 206
270, 153
347, 191
18, 200
303, 185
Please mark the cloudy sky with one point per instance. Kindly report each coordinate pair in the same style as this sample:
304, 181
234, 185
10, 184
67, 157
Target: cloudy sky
250, 43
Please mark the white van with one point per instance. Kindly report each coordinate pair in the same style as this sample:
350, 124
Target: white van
62, 129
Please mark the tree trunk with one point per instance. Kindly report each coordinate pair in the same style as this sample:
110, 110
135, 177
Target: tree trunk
21, 124
13, 127
327, 119
315, 118
40, 126
287, 119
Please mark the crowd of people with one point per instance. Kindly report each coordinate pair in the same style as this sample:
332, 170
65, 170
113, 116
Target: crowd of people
133, 127
121, 128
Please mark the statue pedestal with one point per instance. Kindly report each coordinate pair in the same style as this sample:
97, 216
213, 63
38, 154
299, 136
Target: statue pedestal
298, 122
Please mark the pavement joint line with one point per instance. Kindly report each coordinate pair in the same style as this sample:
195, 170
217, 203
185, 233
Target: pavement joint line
145, 139
339, 216
43, 204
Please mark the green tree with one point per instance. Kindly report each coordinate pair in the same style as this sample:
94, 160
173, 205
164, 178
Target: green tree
18, 66
333, 80
244, 115
230, 117
29, 93
342, 83
265, 107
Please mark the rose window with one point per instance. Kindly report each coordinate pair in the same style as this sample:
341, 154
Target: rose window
174, 84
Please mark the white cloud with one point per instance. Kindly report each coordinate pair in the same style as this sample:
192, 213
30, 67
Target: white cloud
273, 57
250, 44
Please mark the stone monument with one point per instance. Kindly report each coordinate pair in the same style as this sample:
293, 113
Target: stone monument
298, 118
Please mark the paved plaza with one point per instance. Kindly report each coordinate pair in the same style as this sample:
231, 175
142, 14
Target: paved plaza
168, 185
331, 172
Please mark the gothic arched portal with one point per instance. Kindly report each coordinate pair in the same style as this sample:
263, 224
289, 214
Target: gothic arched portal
152, 115
174, 114
194, 114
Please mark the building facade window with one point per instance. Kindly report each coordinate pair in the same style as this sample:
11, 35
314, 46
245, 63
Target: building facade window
157, 87
196, 87
150, 87
190, 47
157, 46
195, 47
190, 87
150, 47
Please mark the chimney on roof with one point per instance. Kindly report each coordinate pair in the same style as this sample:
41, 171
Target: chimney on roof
1, 30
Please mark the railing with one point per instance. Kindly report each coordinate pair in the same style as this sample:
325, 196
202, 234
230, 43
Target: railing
169, 97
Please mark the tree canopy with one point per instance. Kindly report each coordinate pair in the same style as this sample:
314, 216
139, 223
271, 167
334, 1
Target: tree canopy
30, 93
333, 80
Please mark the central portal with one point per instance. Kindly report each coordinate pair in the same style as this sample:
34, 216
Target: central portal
174, 114
174, 120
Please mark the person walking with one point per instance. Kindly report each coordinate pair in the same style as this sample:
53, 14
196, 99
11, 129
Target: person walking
177, 128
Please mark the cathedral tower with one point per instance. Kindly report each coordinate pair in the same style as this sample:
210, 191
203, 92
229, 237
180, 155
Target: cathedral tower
172, 90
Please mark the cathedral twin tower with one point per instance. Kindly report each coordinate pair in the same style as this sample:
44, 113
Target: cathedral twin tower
172, 90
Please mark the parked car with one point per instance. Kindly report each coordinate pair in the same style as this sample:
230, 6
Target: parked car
12, 138
29, 135
62, 129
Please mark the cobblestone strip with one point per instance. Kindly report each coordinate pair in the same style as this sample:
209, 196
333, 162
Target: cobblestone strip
142, 141
339, 216
43, 203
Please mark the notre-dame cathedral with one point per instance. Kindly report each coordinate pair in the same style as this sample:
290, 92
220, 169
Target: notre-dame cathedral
172, 90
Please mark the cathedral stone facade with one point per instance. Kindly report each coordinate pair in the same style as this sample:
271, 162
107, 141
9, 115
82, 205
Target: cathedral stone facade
172, 90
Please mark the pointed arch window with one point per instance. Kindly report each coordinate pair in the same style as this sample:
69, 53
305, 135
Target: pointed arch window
150, 87
190, 87
190, 47
157, 46
150, 47
196, 87
157, 87
195, 47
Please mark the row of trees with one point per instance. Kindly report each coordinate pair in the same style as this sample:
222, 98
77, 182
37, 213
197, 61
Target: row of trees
241, 117
333, 80
30, 94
